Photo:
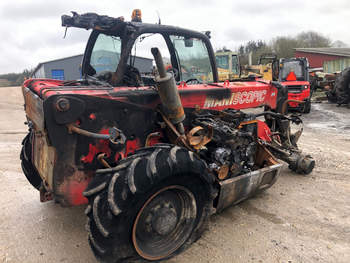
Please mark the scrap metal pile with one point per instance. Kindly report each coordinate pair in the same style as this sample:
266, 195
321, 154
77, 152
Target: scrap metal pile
336, 86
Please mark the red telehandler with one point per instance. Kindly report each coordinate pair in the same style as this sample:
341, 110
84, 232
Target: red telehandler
152, 153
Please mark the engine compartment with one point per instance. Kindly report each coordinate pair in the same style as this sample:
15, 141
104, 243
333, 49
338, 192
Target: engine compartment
233, 146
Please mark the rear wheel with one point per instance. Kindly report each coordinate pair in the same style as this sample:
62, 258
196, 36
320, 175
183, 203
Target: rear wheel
155, 204
28, 168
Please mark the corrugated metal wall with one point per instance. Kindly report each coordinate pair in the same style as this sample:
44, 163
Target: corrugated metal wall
316, 60
69, 68
336, 65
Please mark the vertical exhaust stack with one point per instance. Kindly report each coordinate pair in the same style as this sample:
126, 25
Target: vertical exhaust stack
168, 93
250, 58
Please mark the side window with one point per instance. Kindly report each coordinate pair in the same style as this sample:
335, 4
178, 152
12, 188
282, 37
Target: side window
235, 64
193, 58
106, 53
222, 62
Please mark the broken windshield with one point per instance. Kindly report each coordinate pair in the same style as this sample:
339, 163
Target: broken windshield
186, 58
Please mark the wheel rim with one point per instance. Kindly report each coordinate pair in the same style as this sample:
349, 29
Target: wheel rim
164, 222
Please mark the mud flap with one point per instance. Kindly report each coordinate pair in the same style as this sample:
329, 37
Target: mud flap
237, 189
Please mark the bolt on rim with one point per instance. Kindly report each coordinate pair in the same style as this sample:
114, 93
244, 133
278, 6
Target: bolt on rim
164, 222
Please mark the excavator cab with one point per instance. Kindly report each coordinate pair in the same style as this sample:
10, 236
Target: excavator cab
269, 66
228, 65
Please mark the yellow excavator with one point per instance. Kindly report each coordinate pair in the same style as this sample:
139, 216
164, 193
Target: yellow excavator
267, 67
229, 68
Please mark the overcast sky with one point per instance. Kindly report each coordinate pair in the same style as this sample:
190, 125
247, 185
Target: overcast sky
31, 30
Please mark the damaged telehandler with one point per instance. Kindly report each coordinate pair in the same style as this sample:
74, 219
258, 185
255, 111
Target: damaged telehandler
153, 153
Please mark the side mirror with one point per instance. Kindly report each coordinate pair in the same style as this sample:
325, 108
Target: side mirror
188, 42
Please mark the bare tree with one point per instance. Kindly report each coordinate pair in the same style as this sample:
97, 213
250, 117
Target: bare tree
311, 39
339, 44
257, 48
284, 46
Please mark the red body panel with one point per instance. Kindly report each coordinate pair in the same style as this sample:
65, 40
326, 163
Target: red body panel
240, 95
235, 95
264, 132
243, 95
302, 95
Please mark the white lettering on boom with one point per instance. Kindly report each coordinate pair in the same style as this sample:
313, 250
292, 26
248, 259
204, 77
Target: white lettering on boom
245, 97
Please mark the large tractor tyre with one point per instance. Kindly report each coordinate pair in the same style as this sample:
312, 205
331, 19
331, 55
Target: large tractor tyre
28, 168
151, 206
342, 88
307, 106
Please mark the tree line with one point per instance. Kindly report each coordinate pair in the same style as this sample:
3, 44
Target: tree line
283, 46
15, 79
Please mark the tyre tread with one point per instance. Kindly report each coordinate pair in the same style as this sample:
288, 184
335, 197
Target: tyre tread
28, 168
158, 162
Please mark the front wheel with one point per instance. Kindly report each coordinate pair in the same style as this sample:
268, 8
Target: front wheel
154, 205
307, 106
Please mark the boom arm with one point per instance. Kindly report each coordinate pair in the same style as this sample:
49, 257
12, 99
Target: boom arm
91, 21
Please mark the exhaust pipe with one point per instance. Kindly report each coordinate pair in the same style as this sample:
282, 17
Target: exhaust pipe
168, 93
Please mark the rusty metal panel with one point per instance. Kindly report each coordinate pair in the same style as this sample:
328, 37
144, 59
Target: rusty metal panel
44, 157
336, 65
34, 108
236, 189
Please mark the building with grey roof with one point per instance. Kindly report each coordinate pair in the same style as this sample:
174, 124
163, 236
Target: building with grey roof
69, 68
336, 59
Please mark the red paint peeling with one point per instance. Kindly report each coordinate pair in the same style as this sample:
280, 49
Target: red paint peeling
75, 190
74, 186
102, 146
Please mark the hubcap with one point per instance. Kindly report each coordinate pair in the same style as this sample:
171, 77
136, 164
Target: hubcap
164, 222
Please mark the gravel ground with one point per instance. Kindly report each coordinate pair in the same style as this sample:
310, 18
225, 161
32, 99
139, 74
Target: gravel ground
299, 219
